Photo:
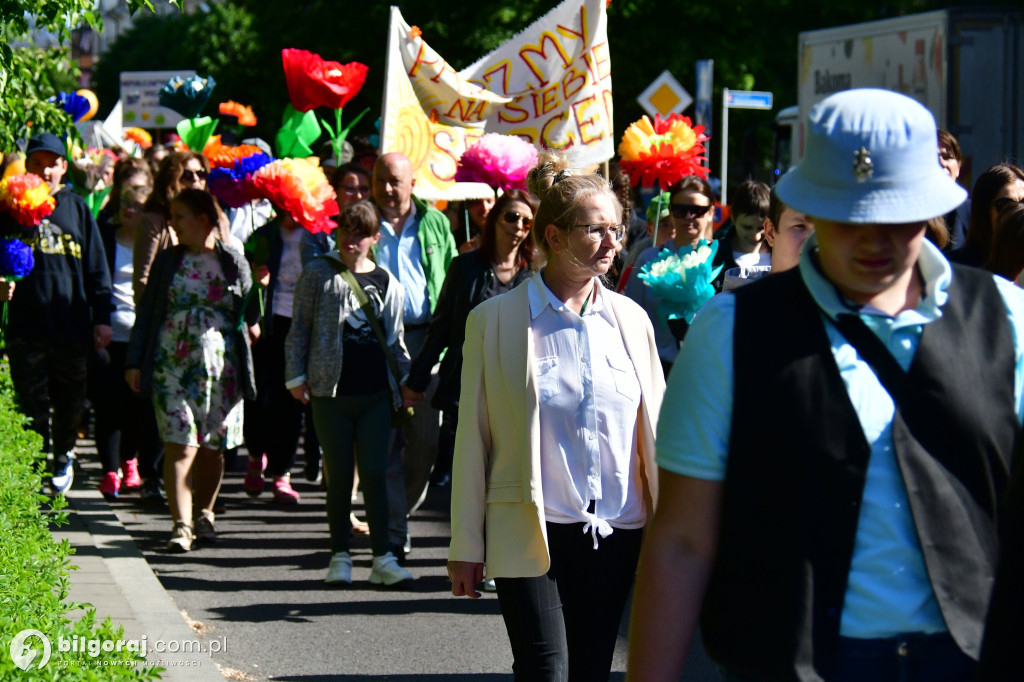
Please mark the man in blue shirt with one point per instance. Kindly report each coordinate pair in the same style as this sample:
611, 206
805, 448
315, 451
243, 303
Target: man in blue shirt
416, 245
828, 505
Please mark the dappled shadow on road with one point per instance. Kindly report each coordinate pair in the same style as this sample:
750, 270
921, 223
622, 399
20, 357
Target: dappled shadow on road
306, 612
435, 677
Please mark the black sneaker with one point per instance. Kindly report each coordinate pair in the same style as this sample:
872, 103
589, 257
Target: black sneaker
152, 492
313, 473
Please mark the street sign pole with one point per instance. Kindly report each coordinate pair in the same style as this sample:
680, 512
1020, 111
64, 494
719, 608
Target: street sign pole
702, 113
724, 133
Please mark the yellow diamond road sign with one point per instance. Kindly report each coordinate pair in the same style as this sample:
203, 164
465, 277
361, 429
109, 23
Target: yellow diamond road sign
665, 96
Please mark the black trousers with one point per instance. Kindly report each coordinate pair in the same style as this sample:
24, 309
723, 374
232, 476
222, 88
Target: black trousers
273, 422
50, 374
563, 625
125, 421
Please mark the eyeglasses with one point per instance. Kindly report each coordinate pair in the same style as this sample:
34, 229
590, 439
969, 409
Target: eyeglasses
1003, 202
597, 231
513, 217
688, 210
193, 174
355, 189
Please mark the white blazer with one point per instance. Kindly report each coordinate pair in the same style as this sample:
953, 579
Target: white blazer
497, 494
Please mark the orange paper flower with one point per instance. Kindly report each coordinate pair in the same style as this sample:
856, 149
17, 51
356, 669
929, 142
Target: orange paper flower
139, 137
223, 155
300, 188
240, 111
662, 152
27, 198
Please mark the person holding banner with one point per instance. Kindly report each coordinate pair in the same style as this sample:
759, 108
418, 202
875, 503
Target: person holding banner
554, 456
416, 246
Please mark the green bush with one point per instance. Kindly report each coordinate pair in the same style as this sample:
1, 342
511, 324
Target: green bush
34, 567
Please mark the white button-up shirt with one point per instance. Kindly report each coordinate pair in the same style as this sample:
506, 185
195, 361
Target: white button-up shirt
589, 396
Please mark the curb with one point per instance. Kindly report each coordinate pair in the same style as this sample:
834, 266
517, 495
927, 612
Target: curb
153, 608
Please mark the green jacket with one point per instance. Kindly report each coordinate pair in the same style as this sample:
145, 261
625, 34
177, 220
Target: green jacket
437, 247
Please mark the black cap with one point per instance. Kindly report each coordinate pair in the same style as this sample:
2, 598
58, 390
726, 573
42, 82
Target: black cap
46, 142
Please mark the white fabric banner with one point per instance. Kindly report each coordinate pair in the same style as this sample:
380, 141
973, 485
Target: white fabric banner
551, 85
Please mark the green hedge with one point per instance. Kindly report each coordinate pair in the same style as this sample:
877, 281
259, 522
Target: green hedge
34, 567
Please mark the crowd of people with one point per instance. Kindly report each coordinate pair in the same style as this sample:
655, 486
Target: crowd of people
826, 487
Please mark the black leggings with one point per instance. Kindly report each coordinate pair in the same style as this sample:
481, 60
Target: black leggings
125, 421
273, 422
563, 625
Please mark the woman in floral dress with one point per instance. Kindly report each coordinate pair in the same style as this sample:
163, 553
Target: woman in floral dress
189, 348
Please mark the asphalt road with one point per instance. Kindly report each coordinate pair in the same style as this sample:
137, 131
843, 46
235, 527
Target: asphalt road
260, 588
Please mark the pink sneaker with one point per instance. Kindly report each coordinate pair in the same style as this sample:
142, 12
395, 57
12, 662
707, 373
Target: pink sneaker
110, 484
283, 492
253, 482
130, 469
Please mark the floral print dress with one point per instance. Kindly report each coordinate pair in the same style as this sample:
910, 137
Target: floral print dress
195, 376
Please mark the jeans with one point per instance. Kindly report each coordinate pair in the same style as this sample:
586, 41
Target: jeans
563, 625
347, 424
50, 374
912, 657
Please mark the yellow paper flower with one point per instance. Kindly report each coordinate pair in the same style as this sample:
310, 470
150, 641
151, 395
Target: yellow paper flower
27, 198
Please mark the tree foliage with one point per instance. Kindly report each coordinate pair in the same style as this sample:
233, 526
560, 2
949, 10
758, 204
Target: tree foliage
30, 76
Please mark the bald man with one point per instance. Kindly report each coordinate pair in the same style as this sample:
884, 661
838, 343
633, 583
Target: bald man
416, 246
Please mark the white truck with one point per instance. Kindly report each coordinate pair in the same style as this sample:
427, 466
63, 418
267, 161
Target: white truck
965, 65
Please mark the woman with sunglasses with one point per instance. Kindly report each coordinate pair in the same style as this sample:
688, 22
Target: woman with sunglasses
554, 460
501, 263
998, 186
692, 212
178, 171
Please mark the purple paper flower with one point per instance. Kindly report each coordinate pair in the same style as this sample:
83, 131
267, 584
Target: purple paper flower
16, 259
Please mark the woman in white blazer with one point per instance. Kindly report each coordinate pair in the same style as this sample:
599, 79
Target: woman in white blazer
554, 474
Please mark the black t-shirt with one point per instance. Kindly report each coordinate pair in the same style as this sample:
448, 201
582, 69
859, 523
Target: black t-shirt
364, 367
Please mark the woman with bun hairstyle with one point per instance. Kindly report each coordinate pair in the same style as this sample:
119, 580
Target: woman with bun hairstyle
190, 350
554, 474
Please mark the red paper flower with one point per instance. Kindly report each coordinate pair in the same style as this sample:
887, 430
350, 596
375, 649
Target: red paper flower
313, 82
27, 198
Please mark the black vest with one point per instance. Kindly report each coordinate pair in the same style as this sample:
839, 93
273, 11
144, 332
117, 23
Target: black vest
797, 465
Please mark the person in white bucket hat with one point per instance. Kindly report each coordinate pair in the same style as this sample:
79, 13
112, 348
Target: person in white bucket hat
828, 508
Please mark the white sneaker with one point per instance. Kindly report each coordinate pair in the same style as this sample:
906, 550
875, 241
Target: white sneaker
63, 475
386, 571
181, 538
340, 569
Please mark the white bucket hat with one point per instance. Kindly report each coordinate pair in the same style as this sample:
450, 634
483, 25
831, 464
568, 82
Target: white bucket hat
872, 158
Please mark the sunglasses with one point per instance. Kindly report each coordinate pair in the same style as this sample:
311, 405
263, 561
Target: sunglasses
513, 217
688, 210
596, 232
195, 175
1000, 204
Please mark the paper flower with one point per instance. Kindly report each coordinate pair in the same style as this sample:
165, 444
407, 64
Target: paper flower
27, 198
300, 188
662, 152
73, 103
240, 111
225, 156
139, 137
682, 280
501, 161
16, 259
234, 186
314, 82
187, 96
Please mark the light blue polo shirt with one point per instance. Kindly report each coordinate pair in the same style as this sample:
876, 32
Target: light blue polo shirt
888, 591
402, 257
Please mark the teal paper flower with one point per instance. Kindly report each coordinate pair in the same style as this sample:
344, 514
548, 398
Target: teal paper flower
682, 280
187, 96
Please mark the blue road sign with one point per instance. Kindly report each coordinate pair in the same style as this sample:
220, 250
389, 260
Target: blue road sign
749, 99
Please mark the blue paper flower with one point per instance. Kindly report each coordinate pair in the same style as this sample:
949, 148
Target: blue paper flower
16, 259
74, 104
252, 163
682, 280
187, 96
